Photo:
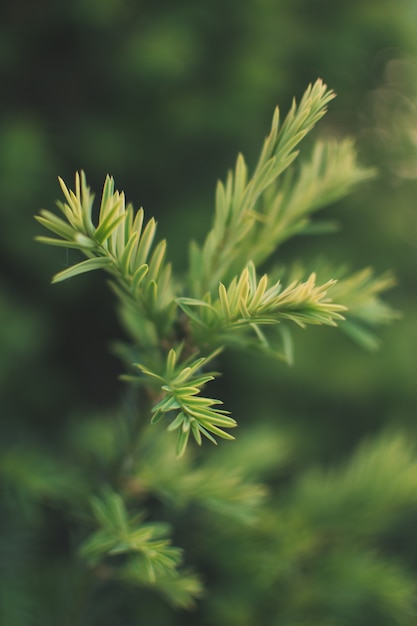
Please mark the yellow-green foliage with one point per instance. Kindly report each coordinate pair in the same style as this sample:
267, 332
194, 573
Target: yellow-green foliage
181, 325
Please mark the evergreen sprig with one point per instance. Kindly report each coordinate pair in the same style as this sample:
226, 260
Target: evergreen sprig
181, 386
244, 227
249, 302
149, 556
178, 328
121, 244
223, 302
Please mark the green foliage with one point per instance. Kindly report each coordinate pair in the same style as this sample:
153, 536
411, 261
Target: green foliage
242, 229
360, 293
150, 558
248, 302
178, 327
163, 96
368, 487
120, 245
193, 413
242, 236
318, 555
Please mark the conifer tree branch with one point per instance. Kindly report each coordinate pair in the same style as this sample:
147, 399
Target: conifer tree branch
249, 303
121, 244
151, 560
225, 302
242, 229
191, 413
330, 174
178, 328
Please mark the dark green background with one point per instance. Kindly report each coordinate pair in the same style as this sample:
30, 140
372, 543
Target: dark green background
163, 95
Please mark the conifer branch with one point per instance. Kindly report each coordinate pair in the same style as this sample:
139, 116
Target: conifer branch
193, 414
241, 228
224, 302
121, 244
178, 328
249, 303
151, 560
330, 174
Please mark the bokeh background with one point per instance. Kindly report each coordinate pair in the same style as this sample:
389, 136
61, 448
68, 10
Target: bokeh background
162, 96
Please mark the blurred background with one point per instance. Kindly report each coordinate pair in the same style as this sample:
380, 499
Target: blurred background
162, 96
